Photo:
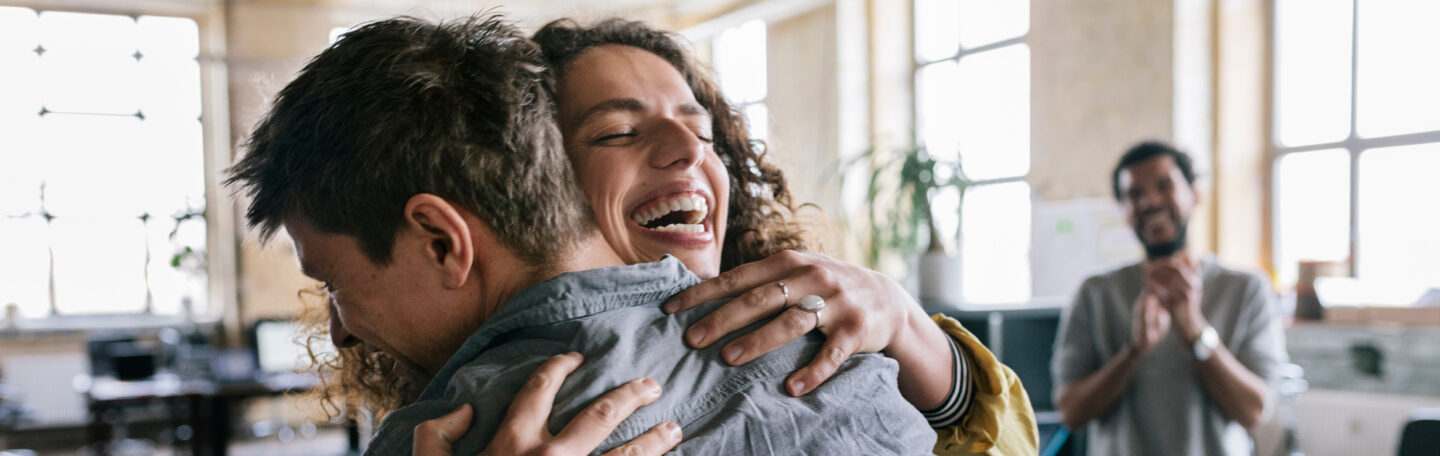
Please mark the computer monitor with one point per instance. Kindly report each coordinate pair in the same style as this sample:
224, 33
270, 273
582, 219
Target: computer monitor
278, 348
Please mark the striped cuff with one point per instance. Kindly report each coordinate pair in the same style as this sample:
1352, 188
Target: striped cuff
957, 403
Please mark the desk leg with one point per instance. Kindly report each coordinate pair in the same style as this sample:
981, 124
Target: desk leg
219, 425
99, 430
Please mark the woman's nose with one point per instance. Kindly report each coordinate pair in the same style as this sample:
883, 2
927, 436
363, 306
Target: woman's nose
676, 146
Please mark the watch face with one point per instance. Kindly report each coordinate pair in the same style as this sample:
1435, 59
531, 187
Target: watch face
1206, 344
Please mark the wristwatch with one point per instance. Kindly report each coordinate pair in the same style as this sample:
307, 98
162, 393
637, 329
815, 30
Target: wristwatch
1205, 345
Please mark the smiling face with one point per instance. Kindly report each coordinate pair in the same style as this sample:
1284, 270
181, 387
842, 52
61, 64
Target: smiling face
640, 145
380, 306
1158, 201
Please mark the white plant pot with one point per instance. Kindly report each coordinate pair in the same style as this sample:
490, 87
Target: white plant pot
940, 277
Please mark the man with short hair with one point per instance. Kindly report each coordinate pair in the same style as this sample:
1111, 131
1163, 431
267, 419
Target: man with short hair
418, 169
1174, 354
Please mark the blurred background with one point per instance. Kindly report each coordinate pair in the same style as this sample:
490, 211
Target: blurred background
139, 313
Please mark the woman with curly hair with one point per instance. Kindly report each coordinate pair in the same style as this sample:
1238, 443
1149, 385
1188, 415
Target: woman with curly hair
676, 173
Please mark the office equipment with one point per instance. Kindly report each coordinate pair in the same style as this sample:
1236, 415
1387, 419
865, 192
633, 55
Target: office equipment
1421, 435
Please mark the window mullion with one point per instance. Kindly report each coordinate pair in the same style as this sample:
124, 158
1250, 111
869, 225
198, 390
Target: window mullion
1354, 137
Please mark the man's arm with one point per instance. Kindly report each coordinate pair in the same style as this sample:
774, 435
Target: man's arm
1082, 400
1240, 392
1087, 398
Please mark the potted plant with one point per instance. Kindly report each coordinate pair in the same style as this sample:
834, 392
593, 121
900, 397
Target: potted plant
902, 218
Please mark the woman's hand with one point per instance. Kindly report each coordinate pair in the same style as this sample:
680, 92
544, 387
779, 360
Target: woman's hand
524, 433
864, 312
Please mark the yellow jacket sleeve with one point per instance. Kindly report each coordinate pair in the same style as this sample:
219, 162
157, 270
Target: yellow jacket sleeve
1000, 420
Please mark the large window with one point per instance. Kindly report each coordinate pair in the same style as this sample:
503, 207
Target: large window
102, 165
739, 58
1356, 138
972, 106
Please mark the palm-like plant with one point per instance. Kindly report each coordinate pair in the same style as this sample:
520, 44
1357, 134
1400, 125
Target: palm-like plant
911, 179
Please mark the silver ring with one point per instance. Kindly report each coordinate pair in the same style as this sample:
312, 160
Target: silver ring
786, 291
813, 304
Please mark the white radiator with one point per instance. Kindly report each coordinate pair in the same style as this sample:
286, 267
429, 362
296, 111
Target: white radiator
46, 385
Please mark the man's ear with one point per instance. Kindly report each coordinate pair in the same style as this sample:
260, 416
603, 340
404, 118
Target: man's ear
448, 244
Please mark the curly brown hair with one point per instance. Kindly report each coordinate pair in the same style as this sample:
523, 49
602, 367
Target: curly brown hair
353, 379
761, 209
760, 221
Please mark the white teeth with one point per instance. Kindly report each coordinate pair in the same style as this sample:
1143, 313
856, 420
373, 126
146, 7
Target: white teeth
684, 203
682, 228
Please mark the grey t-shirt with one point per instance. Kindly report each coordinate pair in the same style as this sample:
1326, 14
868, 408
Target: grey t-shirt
613, 317
1166, 409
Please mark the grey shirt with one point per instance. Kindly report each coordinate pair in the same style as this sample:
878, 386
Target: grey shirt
613, 317
1166, 409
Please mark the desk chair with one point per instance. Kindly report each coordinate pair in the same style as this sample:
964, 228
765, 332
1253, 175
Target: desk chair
1421, 435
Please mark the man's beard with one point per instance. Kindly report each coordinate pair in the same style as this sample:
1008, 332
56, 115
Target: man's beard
1167, 248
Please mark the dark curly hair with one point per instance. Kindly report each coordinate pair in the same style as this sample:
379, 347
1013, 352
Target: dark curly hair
1145, 151
761, 209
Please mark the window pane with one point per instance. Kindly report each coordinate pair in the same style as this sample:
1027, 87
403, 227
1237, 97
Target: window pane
21, 156
1398, 216
739, 55
82, 83
995, 238
169, 89
172, 152
92, 35
99, 265
987, 21
994, 113
18, 84
25, 271
758, 117
937, 100
19, 36
172, 284
1399, 64
1313, 209
168, 37
116, 165
936, 34
1312, 70
19, 29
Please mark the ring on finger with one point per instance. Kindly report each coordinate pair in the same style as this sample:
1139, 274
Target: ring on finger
813, 304
784, 290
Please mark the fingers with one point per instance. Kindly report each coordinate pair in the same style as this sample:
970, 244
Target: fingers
836, 350
735, 281
658, 440
531, 408
436, 437
750, 307
597, 421
789, 325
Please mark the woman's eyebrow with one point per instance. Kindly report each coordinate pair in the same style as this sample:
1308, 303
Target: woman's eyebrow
609, 106
694, 109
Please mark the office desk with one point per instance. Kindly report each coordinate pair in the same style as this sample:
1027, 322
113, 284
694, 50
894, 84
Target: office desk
204, 405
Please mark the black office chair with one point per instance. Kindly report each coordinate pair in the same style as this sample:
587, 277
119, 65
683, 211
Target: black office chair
1421, 435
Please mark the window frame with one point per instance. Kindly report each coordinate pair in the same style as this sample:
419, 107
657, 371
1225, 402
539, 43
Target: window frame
743, 105
221, 245
1354, 145
962, 52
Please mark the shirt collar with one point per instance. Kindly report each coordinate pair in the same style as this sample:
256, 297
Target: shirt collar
569, 296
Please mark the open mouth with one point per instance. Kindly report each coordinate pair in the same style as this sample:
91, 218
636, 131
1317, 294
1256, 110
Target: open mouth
682, 213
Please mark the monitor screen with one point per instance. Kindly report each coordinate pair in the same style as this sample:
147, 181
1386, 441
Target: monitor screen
278, 349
